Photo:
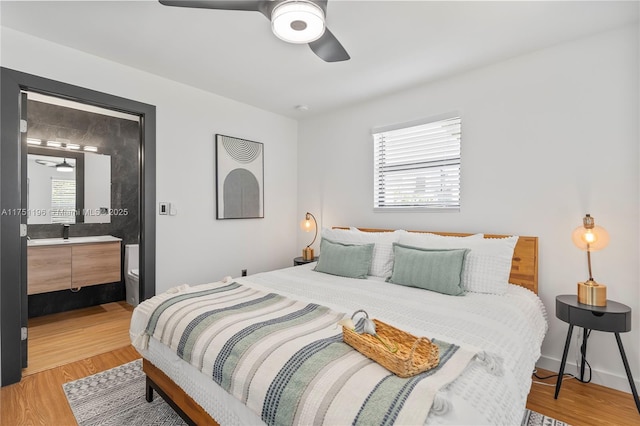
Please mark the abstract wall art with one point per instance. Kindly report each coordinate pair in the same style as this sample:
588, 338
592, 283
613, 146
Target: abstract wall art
239, 178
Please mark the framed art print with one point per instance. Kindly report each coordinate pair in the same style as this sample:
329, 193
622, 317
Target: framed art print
239, 178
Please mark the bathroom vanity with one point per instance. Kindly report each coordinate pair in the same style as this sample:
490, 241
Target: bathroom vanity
61, 264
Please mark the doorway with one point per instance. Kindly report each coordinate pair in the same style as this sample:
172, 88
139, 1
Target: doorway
82, 181
13, 155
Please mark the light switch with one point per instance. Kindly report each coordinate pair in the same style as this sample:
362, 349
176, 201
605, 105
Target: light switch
164, 208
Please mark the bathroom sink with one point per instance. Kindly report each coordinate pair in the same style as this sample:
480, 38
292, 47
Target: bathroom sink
72, 240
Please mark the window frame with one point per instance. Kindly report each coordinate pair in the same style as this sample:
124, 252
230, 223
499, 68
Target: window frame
62, 213
452, 118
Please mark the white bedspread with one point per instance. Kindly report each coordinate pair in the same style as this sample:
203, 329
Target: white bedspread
511, 326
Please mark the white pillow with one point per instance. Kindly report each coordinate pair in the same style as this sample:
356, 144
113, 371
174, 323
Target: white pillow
382, 262
487, 266
427, 237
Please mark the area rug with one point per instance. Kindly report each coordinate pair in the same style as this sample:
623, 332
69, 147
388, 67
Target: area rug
117, 397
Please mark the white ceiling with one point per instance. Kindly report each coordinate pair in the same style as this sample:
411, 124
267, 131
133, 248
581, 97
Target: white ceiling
393, 45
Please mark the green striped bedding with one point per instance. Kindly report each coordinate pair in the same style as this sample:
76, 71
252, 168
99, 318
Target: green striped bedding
286, 361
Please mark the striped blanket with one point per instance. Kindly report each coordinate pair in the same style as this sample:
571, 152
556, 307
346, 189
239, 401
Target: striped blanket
286, 361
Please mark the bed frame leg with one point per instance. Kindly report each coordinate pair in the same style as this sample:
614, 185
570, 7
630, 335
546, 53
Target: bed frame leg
149, 390
154, 378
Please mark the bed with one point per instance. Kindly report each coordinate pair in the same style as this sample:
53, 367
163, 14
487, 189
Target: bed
499, 328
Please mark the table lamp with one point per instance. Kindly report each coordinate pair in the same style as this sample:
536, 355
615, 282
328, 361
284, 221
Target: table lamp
307, 225
590, 237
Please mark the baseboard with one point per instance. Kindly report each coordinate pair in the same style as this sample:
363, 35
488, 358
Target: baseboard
600, 377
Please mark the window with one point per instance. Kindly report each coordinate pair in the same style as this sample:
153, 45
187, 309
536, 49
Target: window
63, 201
418, 166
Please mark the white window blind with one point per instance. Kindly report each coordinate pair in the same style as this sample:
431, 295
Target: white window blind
418, 166
63, 201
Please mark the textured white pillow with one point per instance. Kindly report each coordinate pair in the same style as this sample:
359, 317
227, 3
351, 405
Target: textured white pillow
382, 262
445, 241
487, 266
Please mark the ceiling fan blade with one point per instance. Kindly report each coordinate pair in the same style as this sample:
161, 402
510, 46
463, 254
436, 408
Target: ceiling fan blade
250, 5
328, 48
322, 4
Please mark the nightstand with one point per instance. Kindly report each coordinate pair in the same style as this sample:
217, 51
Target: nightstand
300, 261
612, 318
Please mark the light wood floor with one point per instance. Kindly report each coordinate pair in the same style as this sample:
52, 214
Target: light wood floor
39, 400
62, 338
583, 404
64, 347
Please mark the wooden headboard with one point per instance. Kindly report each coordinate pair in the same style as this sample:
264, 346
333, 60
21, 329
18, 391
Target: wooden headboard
524, 265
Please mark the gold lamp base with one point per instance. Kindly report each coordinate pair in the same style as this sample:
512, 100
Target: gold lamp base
592, 293
307, 253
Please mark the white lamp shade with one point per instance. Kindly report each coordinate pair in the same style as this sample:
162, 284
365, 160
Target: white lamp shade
297, 21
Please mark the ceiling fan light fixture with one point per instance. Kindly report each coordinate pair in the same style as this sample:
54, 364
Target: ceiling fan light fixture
64, 166
298, 21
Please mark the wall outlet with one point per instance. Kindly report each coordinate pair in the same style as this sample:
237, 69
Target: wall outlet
244, 272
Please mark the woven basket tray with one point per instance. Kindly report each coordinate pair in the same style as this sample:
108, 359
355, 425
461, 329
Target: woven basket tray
414, 355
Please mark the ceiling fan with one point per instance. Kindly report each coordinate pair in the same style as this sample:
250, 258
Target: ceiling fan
294, 21
61, 167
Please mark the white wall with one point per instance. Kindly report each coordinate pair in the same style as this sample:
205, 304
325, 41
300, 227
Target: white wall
546, 138
192, 247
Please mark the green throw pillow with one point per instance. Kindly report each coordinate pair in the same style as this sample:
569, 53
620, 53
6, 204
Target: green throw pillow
435, 270
345, 260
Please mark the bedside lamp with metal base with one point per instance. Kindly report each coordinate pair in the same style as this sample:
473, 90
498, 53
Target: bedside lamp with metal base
307, 225
590, 237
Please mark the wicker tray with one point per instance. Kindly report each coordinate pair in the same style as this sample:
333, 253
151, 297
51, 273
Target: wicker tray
414, 355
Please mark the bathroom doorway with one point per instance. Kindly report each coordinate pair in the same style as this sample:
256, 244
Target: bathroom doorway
82, 217
13, 196
82, 181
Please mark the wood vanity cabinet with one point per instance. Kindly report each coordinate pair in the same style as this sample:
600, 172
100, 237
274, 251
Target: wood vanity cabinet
61, 267
93, 264
48, 269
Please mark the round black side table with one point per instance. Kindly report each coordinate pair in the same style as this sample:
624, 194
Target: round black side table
612, 318
300, 261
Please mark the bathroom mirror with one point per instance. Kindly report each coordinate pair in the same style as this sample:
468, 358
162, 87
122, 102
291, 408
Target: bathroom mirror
68, 187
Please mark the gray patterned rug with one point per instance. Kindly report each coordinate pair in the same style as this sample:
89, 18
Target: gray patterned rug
116, 397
